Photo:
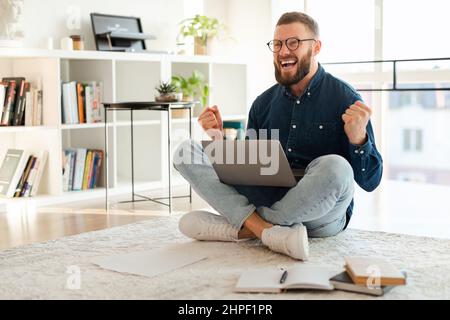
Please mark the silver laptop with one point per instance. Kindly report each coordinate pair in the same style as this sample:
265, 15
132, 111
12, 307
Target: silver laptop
251, 162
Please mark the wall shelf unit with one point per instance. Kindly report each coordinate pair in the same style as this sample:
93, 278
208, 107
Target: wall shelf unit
124, 76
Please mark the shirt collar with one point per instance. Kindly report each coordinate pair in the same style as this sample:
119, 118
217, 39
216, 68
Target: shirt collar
313, 84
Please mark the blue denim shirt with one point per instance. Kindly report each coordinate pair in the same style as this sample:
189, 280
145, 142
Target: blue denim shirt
311, 126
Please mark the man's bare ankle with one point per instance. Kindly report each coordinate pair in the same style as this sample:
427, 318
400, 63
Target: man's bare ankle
245, 233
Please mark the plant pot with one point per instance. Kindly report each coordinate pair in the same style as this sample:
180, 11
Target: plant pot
166, 98
187, 98
199, 47
180, 113
179, 96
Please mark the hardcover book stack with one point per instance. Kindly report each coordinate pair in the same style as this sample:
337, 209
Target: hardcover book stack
369, 275
81, 102
81, 168
20, 102
21, 173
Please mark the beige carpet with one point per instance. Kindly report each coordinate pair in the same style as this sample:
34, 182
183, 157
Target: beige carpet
39, 271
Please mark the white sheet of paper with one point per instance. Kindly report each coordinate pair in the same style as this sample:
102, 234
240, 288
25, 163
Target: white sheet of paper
152, 263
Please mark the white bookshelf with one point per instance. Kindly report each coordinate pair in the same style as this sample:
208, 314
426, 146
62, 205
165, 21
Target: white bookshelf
124, 77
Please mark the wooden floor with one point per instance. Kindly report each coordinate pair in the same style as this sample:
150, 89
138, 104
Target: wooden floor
21, 226
394, 207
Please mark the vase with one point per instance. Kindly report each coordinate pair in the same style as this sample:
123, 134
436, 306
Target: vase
200, 48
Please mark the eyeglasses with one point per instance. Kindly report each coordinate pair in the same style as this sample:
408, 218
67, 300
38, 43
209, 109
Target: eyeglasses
291, 43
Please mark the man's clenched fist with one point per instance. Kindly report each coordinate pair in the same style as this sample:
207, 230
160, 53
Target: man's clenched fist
211, 121
356, 118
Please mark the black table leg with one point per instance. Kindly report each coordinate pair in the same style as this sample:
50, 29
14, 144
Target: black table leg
190, 138
106, 160
132, 157
169, 157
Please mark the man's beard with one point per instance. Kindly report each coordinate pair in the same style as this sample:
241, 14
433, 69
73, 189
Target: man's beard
303, 68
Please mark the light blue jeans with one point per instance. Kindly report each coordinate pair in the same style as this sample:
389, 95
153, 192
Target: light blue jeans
318, 201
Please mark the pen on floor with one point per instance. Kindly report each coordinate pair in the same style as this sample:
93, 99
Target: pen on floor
283, 277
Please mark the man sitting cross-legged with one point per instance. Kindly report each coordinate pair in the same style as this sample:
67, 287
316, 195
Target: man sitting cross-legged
323, 127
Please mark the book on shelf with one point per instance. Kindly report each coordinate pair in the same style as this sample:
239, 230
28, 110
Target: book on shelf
20, 102
81, 102
21, 172
21, 185
11, 171
81, 168
32, 186
10, 97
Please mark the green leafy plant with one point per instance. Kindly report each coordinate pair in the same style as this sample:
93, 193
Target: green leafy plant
167, 92
193, 87
166, 88
201, 27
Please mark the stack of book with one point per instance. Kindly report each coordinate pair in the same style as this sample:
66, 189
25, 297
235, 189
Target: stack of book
21, 173
81, 168
368, 275
81, 102
20, 102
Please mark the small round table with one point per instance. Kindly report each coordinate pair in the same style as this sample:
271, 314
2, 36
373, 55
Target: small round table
151, 106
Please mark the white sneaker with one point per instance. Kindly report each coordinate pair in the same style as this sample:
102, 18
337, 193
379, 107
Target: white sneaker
204, 225
292, 241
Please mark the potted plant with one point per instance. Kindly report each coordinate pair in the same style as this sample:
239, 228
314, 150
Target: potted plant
193, 87
201, 28
167, 92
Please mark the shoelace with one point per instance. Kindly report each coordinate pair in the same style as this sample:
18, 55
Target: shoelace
219, 228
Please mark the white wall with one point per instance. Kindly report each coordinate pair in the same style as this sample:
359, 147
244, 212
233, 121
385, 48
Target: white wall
249, 27
44, 18
248, 22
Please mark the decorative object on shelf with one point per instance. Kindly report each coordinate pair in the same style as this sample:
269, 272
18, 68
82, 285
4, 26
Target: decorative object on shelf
11, 32
193, 87
48, 43
202, 28
66, 43
233, 130
119, 33
167, 92
78, 42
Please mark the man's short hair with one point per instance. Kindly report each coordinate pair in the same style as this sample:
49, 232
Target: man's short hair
292, 17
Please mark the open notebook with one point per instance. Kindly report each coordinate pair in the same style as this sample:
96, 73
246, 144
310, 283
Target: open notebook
299, 276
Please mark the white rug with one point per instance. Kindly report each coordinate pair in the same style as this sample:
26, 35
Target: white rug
38, 271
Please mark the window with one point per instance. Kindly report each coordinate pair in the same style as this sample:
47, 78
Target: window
417, 135
412, 140
346, 28
422, 31
406, 139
